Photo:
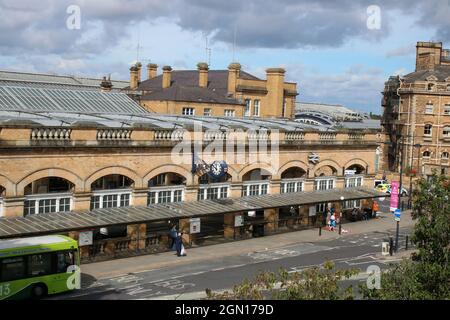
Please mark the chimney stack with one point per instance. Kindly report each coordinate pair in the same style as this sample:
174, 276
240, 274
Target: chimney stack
139, 66
233, 75
275, 93
202, 74
134, 78
152, 70
167, 77
106, 84
428, 55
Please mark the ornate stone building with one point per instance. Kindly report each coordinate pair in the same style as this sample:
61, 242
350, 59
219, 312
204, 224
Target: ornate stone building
416, 117
204, 92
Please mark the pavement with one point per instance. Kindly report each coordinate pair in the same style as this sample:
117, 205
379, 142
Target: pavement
117, 267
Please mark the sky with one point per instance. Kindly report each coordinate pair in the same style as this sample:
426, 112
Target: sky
338, 51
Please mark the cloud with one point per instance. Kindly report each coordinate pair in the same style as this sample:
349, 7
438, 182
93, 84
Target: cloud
358, 87
402, 51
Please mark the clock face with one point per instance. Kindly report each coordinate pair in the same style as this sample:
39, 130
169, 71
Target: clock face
216, 168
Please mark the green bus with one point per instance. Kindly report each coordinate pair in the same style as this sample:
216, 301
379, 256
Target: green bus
38, 266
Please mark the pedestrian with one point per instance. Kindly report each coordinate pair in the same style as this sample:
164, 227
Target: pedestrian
375, 209
332, 222
179, 245
173, 236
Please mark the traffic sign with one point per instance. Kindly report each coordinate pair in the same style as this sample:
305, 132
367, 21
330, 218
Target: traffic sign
397, 214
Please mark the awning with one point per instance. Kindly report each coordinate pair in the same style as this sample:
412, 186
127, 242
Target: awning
46, 223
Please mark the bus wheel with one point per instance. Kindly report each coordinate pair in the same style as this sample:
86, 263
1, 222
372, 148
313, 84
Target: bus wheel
39, 291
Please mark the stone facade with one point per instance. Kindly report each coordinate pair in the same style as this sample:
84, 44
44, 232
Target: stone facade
417, 110
84, 159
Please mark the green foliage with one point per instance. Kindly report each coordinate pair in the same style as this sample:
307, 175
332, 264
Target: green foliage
317, 283
427, 275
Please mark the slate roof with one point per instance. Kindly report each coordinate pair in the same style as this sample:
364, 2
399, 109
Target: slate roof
184, 87
440, 72
14, 78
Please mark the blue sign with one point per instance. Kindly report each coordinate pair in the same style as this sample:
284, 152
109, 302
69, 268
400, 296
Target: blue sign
397, 214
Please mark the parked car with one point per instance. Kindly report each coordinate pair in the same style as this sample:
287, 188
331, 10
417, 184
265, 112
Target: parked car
376, 183
386, 188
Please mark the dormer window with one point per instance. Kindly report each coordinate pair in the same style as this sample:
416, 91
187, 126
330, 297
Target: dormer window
430, 87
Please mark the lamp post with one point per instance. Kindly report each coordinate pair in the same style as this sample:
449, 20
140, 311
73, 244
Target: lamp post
399, 193
342, 213
417, 145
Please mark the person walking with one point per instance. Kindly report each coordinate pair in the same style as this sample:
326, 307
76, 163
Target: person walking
181, 251
173, 236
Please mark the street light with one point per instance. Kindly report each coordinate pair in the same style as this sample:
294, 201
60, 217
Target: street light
342, 213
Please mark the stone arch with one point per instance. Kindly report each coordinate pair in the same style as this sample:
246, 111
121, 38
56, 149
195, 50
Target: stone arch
357, 162
293, 164
262, 166
7, 183
113, 170
50, 172
182, 171
327, 163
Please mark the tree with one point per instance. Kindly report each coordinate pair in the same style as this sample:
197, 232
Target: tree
317, 283
427, 275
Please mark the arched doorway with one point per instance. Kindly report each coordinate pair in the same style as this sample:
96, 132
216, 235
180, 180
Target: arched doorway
47, 195
165, 188
213, 188
292, 180
111, 191
354, 176
256, 182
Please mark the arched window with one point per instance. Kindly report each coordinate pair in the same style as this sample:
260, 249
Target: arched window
445, 155
47, 195
427, 130
430, 87
426, 154
256, 182
111, 191
165, 188
446, 132
292, 180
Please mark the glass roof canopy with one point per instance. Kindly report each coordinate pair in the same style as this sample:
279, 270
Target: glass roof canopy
55, 107
68, 221
84, 101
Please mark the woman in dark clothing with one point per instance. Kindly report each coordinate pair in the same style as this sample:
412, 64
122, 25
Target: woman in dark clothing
179, 245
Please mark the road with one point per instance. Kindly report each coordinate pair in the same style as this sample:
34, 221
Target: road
190, 281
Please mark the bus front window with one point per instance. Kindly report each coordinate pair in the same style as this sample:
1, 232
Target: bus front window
65, 259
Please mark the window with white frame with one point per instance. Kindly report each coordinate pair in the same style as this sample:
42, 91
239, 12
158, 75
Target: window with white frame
213, 192
111, 199
207, 112
427, 129
291, 185
255, 188
352, 182
446, 132
256, 104
445, 155
447, 109
349, 204
247, 107
324, 184
429, 108
229, 113
47, 203
188, 111
165, 195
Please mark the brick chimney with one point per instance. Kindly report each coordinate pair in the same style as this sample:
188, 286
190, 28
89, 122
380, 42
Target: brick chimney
134, 78
275, 92
202, 74
167, 77
106, 84
428, 55
233, 75
152, 70
139, 66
